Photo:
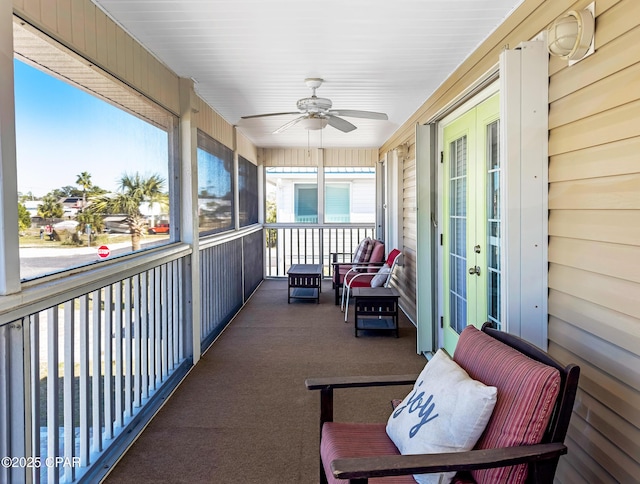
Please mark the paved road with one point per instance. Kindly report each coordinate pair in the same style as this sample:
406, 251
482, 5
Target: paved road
38, 261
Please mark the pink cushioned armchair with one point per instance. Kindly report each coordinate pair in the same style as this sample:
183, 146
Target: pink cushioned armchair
522, 442
368, 257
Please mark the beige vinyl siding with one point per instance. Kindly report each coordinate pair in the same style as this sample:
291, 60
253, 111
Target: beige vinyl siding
210, 122
594, 245
246, 148
311, 156
594, 223
616, 226
350, 157
88, 31
288, 157
406, 280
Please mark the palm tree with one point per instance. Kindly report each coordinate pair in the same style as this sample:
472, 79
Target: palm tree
91, 219
132, 191
50, 207
84, 181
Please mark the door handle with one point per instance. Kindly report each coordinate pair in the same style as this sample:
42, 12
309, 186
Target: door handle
474, 270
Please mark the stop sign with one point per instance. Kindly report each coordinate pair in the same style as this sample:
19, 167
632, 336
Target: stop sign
103, 252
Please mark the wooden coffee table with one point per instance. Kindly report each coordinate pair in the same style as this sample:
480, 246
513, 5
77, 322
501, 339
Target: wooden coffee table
305, 281
376, 309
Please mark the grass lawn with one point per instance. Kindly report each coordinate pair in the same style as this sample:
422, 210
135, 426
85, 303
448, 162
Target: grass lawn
31, 238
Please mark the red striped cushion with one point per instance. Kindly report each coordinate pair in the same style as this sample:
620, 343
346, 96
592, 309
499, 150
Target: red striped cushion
363, 252
342, 440
527, 391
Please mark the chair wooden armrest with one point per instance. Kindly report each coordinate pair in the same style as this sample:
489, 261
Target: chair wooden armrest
323, 383
326, 386
360, 469
334, 257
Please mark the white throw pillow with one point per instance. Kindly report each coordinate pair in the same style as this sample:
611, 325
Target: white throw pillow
381, 277
446, 411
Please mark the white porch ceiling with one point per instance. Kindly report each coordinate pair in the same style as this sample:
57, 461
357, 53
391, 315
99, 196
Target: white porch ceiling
252, 56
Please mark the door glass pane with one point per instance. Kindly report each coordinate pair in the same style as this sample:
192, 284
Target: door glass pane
458, 234
493, 224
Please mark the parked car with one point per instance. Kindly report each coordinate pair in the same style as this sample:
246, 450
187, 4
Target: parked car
159, 229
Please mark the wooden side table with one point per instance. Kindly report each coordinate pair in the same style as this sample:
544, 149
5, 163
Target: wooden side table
376, 309
305, 281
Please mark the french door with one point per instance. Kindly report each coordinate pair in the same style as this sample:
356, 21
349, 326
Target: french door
472, 235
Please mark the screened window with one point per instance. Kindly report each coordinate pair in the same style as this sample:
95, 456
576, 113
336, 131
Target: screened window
306, 203
90, 174
247, 192
215, 185
337, 203
349, 194
291, 195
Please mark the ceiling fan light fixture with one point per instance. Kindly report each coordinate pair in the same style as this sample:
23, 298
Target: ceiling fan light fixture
315, 113
314, 123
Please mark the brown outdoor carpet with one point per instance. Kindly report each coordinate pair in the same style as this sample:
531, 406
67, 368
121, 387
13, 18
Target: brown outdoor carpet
243, 414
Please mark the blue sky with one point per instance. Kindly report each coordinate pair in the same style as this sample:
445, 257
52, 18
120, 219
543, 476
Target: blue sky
62, 131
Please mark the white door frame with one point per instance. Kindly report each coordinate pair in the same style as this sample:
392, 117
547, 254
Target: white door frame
523, 86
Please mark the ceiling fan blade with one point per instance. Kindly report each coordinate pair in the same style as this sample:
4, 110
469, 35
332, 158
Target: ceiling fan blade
269, 114
289, 124
351, 113
341, 124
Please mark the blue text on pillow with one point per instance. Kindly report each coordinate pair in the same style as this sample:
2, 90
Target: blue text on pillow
414, 403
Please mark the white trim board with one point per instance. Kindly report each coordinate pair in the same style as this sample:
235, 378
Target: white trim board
524, 149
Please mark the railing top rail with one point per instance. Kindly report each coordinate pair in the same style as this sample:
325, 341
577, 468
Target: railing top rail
219, 239
38, 295
322, 225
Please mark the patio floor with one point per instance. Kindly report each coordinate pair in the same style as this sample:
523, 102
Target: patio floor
243, 414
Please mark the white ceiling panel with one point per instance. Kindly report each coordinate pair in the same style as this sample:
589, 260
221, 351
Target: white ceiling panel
252, 56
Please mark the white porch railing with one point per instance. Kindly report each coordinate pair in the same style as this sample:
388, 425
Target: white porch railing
87, 358
81, 364
230, 271
288, 244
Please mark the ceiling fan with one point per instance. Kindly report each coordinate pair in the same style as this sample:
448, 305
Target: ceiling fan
317, 113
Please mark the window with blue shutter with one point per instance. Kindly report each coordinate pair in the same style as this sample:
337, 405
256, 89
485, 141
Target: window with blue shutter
337, 203
306, 203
